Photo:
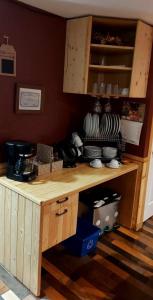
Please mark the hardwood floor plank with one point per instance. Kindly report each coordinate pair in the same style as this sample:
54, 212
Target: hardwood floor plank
136, 245
147, 230
125, 263
64, 279
123, 274
53, 294
136, 236
120, 269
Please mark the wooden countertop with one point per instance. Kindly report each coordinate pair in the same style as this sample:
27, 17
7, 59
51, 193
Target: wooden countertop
66, 181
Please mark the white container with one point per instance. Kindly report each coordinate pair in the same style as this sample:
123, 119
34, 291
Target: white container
109, 152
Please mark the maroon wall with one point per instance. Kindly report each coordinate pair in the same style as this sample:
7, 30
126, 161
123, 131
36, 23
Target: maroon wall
39, 40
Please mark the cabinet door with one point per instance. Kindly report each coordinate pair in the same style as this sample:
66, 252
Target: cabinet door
77, 50
141, 60
59, 221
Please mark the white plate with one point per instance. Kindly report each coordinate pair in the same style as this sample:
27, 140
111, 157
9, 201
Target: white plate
114, 127
104, 125
108, 124
88, 124
97, 127
94, 120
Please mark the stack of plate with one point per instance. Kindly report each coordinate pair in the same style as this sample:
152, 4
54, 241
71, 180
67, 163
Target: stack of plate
91, 125
92, 152
110, 124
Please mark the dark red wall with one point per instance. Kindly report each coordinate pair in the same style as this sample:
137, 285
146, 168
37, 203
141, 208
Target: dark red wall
39, 40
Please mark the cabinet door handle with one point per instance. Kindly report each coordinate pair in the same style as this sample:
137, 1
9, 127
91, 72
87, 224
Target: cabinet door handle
62, 201
60, 214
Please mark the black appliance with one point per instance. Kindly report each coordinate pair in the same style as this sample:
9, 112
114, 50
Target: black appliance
19, 160
68, 152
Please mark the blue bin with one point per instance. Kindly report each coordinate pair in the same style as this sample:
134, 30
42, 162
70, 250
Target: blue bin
85, 239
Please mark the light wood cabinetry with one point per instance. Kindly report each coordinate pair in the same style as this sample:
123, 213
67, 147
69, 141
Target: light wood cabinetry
90, 59
141, 185
59, 221
20, 222
37, 215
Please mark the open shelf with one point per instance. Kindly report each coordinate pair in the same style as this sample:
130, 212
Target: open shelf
106, 96
111, 49
109, 68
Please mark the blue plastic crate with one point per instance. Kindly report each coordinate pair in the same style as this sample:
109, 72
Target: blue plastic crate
85, 239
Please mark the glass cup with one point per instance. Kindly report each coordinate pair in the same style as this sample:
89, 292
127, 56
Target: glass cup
116, 90
95, 88
108, 89
102, 88
102, 61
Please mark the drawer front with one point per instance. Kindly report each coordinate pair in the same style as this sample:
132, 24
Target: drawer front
59, 221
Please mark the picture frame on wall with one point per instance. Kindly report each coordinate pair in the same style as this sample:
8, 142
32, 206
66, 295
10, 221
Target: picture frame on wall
29, 99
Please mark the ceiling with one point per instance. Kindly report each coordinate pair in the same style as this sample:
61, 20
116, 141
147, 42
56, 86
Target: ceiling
134, 9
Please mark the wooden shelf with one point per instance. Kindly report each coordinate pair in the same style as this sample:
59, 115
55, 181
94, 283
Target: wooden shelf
111, 49
126, 64
109, 68
106, 96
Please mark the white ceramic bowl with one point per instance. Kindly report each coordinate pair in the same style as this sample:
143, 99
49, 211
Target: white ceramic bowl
109, 152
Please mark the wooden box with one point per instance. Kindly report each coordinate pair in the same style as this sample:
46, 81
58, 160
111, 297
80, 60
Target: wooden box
56, 165
42, 168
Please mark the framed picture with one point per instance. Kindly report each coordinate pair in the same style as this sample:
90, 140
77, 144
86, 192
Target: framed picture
29, 99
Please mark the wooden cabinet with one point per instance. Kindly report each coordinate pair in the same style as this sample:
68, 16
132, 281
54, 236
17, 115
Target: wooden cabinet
59, 221
107, 51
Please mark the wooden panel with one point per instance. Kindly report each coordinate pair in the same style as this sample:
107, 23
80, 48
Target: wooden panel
127, 23
141, 61
2, 221
14, 226
35, 276
27, 243
141, 186
59, 222
141, 205
126, 186
77, 50
7, 232
20, 238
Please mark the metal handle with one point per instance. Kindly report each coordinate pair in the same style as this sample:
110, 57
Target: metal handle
62, 201
60, 214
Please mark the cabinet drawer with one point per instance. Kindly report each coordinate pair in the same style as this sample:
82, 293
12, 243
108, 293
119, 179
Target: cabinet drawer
59, 221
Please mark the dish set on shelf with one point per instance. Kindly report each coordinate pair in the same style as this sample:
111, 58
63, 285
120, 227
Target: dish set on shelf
94, 152
100, 155
96, 127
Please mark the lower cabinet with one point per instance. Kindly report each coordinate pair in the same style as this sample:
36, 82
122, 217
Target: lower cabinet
59, 220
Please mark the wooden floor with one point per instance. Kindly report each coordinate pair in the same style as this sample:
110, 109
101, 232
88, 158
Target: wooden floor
121, 269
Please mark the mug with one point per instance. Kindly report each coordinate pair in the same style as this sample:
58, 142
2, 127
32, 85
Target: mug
114, 163
125, 91
96, 163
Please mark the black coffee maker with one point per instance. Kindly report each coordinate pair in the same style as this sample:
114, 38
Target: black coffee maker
19, 160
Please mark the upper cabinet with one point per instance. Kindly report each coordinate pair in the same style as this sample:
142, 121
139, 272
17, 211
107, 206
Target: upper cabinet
107, 57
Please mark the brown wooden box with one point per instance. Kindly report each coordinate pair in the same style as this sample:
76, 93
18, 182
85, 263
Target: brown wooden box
56, 165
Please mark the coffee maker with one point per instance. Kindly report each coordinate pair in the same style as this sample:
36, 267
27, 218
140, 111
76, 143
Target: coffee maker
19, 160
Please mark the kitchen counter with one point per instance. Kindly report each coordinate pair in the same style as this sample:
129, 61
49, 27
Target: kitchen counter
37, 215
47, 188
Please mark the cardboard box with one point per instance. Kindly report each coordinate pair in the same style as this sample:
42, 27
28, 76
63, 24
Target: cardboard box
42, 168
56, 165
